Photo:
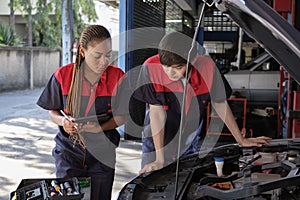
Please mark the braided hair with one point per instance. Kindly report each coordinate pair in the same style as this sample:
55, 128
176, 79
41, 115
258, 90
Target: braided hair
90, 34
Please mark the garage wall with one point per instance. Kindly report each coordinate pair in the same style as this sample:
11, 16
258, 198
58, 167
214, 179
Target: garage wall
15, 67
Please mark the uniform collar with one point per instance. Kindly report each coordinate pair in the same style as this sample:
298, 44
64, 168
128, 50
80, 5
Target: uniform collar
102, 78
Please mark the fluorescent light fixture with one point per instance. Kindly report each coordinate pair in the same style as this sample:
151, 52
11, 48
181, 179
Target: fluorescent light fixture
173, 20
151, 1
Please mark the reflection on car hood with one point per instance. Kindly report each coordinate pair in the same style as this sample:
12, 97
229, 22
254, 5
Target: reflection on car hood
269, 29
257, 60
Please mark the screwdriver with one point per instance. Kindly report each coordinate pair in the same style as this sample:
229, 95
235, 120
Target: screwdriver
56, 187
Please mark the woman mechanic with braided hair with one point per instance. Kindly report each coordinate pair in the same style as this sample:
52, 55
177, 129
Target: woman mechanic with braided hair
86, 88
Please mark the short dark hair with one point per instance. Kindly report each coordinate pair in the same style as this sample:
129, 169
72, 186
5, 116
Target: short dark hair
174, 48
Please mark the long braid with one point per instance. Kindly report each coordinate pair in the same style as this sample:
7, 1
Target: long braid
74, 99
89, 34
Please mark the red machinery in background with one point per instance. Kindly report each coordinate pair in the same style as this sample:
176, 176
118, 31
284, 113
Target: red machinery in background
289, 98
295, 115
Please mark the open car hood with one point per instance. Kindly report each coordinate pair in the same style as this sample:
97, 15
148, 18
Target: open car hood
279, 38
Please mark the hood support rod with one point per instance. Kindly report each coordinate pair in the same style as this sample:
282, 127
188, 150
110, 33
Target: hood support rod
184, 101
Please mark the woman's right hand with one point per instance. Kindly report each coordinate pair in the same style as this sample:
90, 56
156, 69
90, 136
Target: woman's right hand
69, 126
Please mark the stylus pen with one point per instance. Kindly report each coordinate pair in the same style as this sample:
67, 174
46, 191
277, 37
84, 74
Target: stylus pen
65, 115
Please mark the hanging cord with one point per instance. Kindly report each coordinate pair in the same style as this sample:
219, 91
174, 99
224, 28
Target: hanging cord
182, 119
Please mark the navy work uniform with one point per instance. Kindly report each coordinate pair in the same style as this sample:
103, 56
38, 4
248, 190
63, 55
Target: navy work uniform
97, 160
155, 88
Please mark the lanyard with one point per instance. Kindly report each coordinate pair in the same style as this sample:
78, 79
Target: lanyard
189, 92
91, 99
189, 95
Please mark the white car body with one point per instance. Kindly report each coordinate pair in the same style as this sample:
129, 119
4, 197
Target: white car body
259, 84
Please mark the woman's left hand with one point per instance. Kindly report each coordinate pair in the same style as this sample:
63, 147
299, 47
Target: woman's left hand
91, 127
257, 141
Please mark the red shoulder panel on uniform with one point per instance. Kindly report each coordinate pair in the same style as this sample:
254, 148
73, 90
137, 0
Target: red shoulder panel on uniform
202, 74
64, 76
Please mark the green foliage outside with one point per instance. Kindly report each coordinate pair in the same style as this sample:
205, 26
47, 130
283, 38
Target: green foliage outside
46, 22
8, 37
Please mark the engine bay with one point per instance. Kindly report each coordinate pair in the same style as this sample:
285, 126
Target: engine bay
268, 172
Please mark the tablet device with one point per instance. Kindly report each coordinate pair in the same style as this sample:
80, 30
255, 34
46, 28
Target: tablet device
101, 118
